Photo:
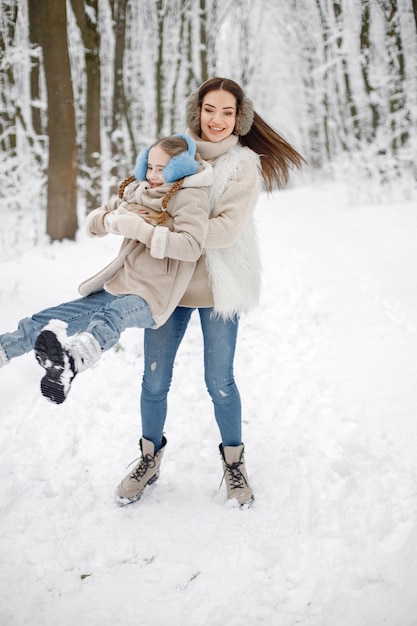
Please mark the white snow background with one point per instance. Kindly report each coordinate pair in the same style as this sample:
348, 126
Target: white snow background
327, 371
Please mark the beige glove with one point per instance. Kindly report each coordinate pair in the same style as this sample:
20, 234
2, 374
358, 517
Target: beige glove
128, 224
95, 223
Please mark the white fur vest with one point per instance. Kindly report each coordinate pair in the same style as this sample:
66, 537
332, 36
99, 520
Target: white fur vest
234, 272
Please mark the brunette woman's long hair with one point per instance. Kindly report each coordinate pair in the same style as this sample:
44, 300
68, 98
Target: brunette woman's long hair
277, 156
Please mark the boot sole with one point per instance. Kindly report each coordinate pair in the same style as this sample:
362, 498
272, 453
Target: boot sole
122, 501
58, 365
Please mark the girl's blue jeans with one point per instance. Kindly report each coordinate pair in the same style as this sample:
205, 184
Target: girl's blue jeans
105, 316
161, 347
102, 314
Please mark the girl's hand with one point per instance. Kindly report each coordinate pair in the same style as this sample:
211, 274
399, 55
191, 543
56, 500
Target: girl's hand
129, 225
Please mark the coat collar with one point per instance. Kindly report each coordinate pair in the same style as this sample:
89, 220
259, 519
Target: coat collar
210, 150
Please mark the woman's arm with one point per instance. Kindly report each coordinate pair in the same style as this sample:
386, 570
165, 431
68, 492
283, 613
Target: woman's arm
189, 209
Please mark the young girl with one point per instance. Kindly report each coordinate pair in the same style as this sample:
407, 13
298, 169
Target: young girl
164, 225
245, 152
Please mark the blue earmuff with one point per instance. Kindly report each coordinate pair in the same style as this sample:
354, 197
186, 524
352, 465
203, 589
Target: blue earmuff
141, 164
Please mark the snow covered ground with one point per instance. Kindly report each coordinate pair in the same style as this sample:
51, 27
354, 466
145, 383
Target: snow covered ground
327, 371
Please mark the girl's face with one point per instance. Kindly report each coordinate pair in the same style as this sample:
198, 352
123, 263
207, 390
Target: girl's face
218, 115
157, 159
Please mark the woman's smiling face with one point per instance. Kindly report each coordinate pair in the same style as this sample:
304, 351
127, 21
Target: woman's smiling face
218, 115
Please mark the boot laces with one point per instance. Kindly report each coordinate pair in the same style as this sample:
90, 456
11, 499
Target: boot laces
147, 462
236, 478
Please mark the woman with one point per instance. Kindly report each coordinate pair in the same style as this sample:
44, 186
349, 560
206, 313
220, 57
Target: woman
244, 151
144, 284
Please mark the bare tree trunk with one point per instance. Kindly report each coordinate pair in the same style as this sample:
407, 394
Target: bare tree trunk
181, 38
203, 41
159, 69
35, 69
35, 75
365, 46
62, 168
191, 80
415, 11
325, 96
349, 108
91, 40
119, 117
8, 102
399, 114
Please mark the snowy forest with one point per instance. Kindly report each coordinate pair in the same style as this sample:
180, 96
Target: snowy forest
326, 365
85, 84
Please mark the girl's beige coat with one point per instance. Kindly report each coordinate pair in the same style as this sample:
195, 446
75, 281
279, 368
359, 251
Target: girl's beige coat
159, 267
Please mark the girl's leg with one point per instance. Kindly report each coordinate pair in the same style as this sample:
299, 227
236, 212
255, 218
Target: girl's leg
161, 346
69, 338
117, 314
64, 356
219, 350
102, 314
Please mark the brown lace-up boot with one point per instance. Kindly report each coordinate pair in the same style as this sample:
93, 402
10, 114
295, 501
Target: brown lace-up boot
235, 475
145, 472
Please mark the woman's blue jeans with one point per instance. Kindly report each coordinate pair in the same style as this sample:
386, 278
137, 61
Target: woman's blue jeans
161, 347
102, 314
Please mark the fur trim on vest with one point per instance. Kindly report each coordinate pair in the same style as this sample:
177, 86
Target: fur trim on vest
234, 272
